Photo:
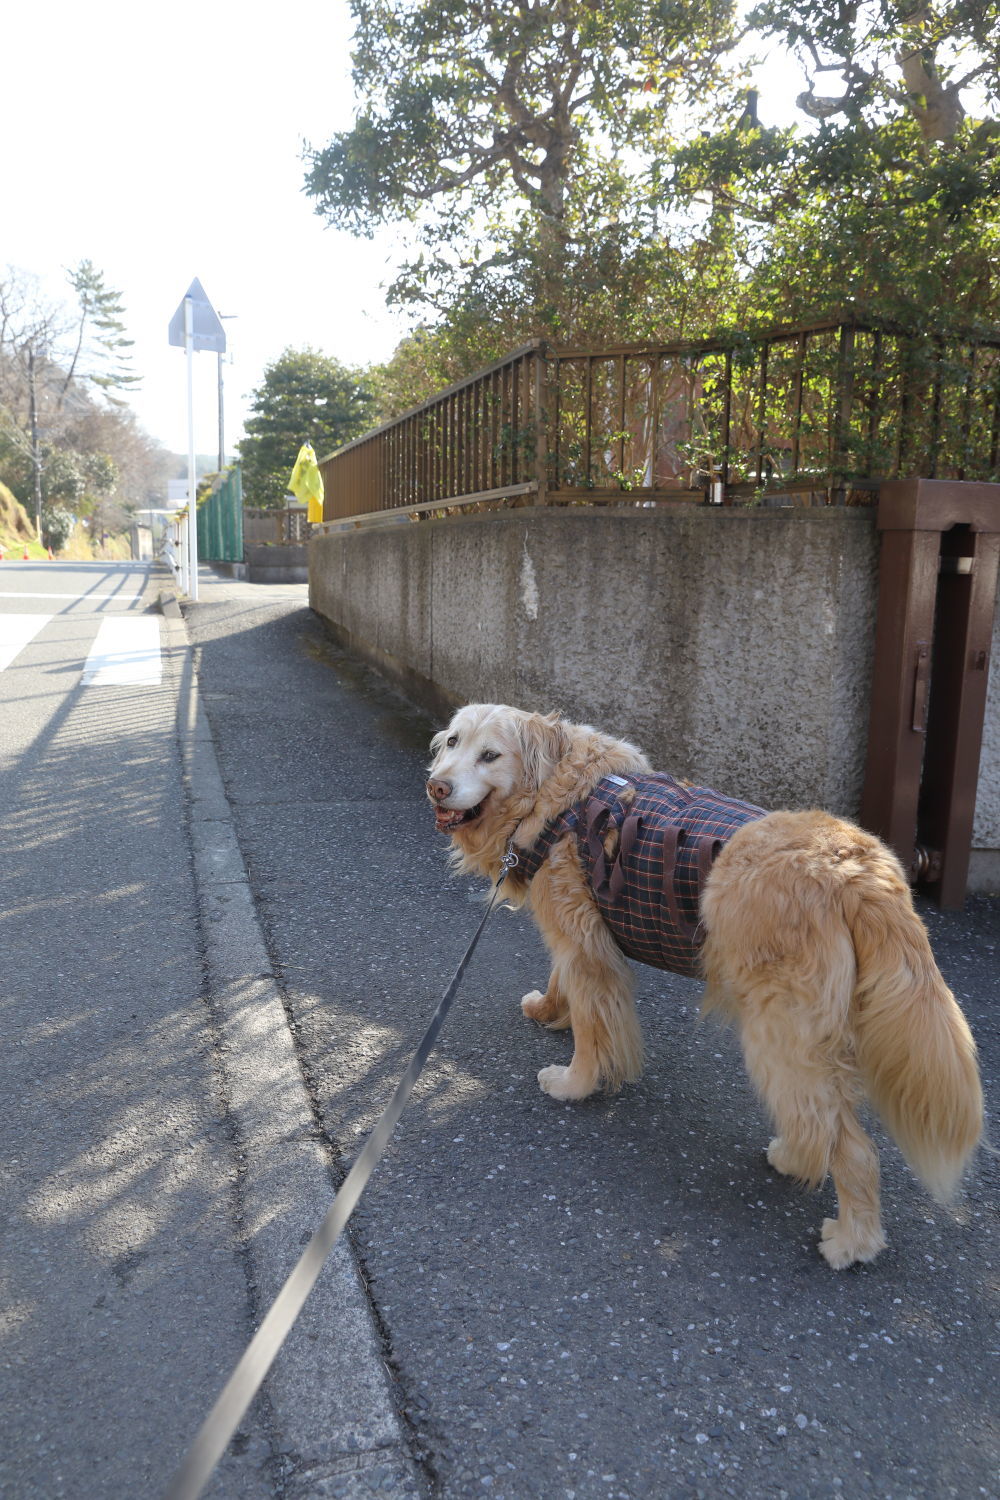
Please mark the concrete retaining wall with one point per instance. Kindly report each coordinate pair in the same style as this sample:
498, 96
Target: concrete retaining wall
276, 563
733, 645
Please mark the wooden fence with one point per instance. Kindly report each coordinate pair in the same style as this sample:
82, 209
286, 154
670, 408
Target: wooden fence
278, 527
828, 410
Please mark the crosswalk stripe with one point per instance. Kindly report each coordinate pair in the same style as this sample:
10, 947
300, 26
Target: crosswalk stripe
15, 633
85, 598
125, 652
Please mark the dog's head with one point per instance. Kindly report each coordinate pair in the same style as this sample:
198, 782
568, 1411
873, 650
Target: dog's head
488, 759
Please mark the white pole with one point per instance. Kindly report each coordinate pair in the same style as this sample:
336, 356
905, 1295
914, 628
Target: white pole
192, 520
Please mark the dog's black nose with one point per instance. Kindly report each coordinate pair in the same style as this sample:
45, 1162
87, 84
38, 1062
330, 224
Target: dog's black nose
439, 790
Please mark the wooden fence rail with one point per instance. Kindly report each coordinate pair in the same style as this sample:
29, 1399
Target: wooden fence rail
829, 409
278, 527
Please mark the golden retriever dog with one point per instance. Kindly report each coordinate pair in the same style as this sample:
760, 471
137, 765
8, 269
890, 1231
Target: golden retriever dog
807, 940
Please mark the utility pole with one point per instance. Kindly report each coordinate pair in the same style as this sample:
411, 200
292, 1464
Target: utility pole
222, 439
223, 317
36, 452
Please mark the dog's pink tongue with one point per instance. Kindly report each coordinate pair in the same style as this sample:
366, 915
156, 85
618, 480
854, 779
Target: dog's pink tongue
445, 818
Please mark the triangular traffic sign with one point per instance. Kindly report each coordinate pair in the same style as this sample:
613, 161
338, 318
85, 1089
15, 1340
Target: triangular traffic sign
206, 330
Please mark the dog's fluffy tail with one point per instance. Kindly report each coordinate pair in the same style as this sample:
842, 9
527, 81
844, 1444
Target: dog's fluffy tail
914, 1050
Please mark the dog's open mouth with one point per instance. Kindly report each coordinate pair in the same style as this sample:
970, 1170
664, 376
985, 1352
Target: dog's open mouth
447, 819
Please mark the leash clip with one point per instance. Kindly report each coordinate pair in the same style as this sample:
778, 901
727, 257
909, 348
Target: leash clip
510, 858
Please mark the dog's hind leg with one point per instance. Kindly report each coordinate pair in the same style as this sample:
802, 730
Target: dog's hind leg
791, 1017
810, 1093
856, 1233
550, 1009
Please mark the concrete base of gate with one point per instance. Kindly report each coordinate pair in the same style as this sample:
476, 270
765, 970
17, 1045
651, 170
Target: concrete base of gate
272, 563
984, 871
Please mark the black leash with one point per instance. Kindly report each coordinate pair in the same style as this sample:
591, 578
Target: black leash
216, 1431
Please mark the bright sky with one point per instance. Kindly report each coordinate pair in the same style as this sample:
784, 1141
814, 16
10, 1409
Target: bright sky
164, 143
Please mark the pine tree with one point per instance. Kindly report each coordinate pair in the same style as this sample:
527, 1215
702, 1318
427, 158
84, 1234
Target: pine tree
102, 353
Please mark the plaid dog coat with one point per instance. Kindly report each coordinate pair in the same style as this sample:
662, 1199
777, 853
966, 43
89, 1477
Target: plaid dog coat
647, 843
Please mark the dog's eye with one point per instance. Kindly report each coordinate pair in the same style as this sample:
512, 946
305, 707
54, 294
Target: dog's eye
451, 741
489, 755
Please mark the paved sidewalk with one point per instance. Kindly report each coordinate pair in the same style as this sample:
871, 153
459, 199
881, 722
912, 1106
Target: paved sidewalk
613, 1299
327, 1395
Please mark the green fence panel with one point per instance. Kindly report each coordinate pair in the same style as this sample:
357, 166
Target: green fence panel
220, 519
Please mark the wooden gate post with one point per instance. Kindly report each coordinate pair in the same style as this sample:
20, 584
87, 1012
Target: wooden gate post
937, 590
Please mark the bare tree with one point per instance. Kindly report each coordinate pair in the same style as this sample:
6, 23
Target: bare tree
31, 329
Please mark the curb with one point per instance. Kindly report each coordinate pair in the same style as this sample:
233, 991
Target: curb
338, 1432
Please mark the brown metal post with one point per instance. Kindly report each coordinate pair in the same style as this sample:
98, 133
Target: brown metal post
908, 568
937, 589
966, 595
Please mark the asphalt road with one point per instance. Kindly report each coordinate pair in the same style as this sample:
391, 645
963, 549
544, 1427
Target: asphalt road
122, 1282
608, 1299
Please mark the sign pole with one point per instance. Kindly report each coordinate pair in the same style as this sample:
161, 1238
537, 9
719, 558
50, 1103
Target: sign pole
195, 325
192, 516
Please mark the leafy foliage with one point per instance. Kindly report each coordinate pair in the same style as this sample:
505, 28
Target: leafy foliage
57, 526
519, 143
100, 354
305, 397
596, 173
889, 201
66, 439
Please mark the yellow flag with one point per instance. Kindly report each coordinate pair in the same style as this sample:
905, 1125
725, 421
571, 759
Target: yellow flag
306, 482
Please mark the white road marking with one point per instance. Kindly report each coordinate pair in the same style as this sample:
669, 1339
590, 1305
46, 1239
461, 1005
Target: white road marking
15, 633
84, 598
126, 652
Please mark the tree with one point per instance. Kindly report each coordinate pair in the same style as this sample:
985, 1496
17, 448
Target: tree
30, 331
142, 465
305, 397
64, 439
57, 526
100, 354
887, 200
597, 173
519, 140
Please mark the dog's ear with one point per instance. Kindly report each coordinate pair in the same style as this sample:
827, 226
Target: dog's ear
543, 740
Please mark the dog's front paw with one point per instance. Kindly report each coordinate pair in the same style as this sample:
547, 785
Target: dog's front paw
840, 1247
563, 1083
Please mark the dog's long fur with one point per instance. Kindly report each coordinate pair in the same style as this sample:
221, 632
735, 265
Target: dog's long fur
813, 951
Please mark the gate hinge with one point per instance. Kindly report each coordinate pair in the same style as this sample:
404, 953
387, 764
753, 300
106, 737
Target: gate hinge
925, 864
